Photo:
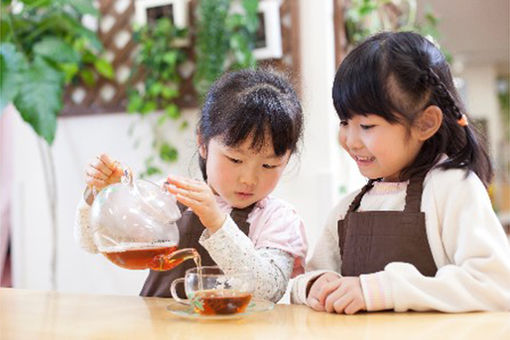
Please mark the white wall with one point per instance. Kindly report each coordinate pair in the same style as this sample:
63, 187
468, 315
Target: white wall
310, 183
482, 100
77, 141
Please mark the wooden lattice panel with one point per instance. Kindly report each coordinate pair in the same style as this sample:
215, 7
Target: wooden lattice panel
115, 31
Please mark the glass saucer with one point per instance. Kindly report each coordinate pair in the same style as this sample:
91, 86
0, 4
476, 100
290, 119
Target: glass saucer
256, 306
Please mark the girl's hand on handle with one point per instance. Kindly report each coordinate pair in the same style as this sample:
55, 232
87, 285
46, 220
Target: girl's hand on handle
198, 196
102, 171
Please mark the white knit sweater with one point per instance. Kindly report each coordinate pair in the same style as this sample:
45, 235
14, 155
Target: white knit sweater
469, 246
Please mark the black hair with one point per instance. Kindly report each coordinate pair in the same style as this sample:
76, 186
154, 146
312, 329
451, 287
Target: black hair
396, 76
251, 103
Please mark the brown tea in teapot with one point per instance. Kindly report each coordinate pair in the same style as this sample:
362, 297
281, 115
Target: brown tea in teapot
160, 259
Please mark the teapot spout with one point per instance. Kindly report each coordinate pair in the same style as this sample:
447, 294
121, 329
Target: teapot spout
169, 261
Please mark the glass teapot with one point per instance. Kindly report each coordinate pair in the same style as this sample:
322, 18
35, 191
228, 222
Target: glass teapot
133, 225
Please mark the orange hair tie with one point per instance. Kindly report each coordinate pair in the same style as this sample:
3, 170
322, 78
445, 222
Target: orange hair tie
463, 121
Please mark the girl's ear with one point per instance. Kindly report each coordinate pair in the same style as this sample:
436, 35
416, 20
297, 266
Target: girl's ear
428, 122
202, 149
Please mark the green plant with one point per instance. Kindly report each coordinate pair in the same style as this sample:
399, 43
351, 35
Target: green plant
224, 40
366, 17
158, 59
43, 47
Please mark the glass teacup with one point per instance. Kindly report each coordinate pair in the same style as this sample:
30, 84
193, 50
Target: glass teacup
211, 291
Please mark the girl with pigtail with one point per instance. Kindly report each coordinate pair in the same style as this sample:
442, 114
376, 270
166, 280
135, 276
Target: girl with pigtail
421, 234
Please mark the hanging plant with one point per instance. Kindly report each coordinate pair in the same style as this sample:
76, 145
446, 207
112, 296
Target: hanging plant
224, 38
158, 59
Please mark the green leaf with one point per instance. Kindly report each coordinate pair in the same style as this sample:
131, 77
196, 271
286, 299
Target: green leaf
172, 111
161, 120
168, 153
104, 68
151, 170
57, 50
82, 6
88, 57
38, 3
170, 57
148, 107
155, 89
169, 93
40, 98
135, 103
184, 125
88, 77
11, 65
233, 21
70, 70
5, 30
250, 6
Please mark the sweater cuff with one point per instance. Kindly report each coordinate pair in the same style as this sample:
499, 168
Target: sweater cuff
302, 284
377, 291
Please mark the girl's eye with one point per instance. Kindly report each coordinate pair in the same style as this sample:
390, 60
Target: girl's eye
234, 160
343, 123
366, 127
269, 166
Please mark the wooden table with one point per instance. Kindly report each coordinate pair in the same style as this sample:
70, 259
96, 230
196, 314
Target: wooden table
26, 314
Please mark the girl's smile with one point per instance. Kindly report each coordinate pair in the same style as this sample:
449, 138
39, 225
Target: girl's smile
363, 160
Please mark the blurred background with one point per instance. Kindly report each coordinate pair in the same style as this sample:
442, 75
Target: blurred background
127, 77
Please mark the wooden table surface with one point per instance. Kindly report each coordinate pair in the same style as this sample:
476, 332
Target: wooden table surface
27, 314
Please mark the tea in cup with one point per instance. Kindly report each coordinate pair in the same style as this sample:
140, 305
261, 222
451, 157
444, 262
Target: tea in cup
211, 291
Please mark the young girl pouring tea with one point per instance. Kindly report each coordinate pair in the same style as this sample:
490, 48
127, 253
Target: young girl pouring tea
250, 125
421, 235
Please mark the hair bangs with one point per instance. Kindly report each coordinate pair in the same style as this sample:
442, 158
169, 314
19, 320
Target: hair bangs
360, 84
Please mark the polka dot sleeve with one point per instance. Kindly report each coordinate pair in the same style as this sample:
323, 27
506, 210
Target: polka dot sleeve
230, 248
82, 229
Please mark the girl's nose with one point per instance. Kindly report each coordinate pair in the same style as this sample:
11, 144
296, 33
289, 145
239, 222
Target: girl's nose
352, 140
249, 177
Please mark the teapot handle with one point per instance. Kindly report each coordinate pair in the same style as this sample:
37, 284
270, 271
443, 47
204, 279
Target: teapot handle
127, 178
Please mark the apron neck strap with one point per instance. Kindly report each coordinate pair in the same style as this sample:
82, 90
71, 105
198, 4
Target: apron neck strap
357, 200
414, 193
240, 217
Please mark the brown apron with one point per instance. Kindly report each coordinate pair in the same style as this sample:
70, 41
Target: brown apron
190, 230
369, 240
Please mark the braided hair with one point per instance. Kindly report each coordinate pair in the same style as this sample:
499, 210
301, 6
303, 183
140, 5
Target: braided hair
251, 103
397, 76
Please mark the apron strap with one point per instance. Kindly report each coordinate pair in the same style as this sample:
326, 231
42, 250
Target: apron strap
240, 217
357, 200
414, 193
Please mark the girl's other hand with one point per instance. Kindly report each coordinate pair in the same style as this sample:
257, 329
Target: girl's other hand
198, 196
102, 171
316, 289
343, 295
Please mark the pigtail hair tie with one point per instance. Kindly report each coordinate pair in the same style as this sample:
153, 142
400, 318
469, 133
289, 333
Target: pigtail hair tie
463, 121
